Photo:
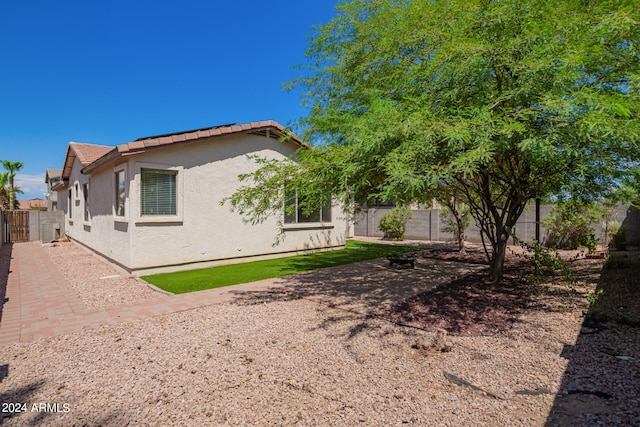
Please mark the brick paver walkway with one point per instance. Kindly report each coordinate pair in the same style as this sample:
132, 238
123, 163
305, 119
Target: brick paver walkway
40, 303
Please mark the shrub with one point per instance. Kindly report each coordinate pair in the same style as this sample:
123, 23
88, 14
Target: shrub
392, 224
570, 227
541, 257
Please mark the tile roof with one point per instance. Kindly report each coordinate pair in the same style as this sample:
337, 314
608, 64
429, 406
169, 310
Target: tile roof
89, 153
85, 153
267, 128
33, 204
52, 174
93, 156
173, 138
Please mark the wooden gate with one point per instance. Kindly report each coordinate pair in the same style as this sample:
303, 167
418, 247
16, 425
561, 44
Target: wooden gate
16, 226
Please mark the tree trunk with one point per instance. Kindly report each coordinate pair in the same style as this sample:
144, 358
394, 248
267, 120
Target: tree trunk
4, 199
452, 204
460, 234
496, 268
11, 194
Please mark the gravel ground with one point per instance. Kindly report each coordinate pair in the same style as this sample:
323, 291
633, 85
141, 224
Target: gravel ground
97, 283
282, 360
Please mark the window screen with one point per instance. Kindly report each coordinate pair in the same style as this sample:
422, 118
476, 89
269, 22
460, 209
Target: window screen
294, 213
120, 193
158, 192
85, 194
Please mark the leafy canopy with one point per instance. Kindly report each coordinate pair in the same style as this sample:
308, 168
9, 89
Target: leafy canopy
503, 100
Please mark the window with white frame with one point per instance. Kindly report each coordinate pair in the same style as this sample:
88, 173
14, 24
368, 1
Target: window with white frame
294, 212
158, 192
85, 197
120, 193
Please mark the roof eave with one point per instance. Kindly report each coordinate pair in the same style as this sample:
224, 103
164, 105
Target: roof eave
68, 163
60, 185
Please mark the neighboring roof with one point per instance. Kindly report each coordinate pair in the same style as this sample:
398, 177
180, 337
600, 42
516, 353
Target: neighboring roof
52, 173
32, 204
267, 128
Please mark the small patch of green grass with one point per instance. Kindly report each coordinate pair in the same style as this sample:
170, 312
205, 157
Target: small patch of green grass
227, 275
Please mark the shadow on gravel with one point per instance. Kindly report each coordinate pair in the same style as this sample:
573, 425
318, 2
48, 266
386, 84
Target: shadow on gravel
4, 372
444, 291
366, 287
363, 287
262, 296
469, 305
618, 282
17, 403
466, 307
23, 408
600, 385
5, 264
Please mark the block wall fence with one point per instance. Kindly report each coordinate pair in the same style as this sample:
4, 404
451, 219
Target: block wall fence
428, 224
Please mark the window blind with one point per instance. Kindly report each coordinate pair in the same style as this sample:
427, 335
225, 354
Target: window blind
158, 192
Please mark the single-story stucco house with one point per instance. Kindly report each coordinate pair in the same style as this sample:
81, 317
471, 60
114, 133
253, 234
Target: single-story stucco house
153, 205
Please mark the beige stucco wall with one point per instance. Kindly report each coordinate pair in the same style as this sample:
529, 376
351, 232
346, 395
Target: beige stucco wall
101, 233
203, 232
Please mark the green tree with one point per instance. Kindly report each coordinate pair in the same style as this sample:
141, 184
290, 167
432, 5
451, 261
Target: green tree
12, 168
506, 100
4, 194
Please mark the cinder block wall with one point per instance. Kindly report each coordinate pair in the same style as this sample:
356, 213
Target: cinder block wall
46, 225
428, 224
34, 225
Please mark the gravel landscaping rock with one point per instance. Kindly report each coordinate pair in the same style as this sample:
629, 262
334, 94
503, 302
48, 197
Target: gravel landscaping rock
282, 359
97, 283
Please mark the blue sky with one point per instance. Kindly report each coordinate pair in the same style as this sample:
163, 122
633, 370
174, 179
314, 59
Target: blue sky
108, 72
